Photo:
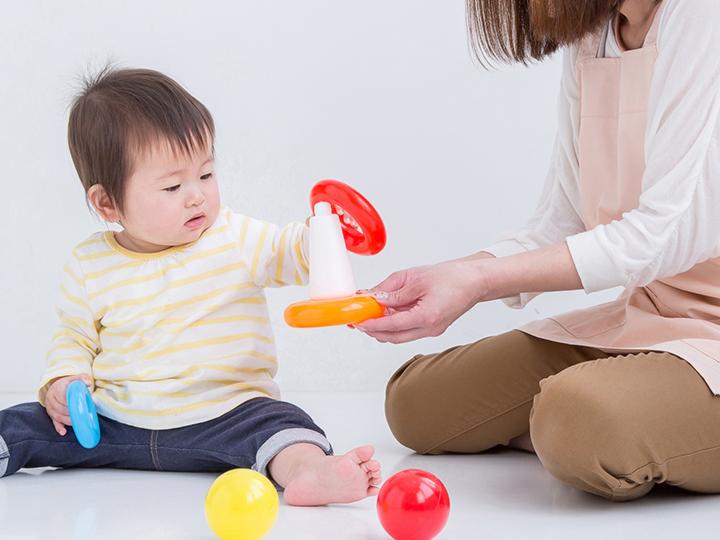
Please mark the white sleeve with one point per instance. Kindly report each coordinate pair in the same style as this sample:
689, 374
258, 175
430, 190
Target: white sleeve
277, 256
557, 214
676, 224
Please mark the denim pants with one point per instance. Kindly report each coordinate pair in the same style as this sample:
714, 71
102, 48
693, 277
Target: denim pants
249, 436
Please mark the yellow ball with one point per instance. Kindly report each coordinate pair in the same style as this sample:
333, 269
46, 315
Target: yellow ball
241, 505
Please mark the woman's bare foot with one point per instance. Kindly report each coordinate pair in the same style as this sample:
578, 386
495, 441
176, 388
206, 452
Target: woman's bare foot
312, 478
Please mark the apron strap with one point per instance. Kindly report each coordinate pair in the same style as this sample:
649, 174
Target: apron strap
652, 36
589, 46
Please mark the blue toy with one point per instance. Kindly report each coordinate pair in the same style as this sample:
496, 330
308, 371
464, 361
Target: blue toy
83, 414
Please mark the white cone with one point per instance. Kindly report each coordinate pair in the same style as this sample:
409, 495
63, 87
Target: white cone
330, 272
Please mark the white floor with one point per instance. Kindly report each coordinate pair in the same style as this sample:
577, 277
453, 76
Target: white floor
493, 496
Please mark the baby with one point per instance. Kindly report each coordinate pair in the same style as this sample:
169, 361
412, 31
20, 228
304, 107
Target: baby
166, 321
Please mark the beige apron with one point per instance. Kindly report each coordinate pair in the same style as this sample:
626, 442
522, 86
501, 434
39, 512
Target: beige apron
680, 314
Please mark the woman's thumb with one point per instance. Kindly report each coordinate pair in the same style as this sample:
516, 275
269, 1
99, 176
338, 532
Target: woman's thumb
399, 298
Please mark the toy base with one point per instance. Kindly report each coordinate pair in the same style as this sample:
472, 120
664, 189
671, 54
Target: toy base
319, 313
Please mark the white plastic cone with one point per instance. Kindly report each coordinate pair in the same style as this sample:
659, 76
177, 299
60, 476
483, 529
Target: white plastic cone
330, 272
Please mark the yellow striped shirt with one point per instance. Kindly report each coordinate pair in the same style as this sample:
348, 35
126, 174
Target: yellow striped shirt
180, 336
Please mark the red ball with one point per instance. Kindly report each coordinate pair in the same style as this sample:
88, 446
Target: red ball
413, 505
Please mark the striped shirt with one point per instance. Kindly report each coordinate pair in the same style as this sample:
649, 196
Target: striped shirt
181, 336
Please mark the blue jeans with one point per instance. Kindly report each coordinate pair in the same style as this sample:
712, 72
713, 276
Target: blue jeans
249, 436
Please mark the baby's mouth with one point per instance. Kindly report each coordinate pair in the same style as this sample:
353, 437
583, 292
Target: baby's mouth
195, 221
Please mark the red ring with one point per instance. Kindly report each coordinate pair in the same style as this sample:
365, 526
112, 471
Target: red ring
372, 237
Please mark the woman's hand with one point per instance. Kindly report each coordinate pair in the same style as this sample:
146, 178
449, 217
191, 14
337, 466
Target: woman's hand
424, 301
56, 402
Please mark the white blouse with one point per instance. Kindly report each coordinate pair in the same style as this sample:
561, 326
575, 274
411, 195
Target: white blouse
677, 223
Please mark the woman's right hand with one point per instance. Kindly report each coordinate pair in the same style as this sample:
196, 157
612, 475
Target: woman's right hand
56, 401
425, 301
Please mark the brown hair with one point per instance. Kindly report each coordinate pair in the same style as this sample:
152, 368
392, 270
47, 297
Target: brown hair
120, 113
524, 30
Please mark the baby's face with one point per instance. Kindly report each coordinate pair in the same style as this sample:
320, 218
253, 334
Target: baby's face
170, 199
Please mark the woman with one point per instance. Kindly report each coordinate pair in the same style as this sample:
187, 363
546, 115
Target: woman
619, 397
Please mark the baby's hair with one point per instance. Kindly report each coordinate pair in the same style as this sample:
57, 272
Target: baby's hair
121, 113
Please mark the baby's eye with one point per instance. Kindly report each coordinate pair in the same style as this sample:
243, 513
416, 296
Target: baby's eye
206, 176
172, 188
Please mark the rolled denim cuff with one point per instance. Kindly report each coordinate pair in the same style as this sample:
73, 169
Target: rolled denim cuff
4, 457
281, 440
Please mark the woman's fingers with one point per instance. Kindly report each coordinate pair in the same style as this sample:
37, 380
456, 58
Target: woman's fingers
394, 281
399, 321
402, 298
402, 337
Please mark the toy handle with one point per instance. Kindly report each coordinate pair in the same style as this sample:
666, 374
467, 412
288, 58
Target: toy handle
363, 228
83, 414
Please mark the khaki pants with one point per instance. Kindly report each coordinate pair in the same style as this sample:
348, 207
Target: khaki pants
612, 425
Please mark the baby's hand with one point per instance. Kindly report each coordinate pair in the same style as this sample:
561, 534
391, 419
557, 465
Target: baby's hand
56, 402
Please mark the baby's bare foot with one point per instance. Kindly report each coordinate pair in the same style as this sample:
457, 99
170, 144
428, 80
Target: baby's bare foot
334, 479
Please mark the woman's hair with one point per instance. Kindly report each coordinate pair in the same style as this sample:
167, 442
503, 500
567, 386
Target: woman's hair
524, 30
120, 114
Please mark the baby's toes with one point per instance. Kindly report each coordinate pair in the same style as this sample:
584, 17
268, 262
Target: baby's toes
361, 454
372, 465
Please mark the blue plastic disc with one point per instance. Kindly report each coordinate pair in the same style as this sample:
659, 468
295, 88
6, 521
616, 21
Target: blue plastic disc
83, 414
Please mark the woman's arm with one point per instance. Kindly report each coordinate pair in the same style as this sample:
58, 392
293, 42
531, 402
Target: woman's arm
424, 301
549, 268
557, 214
675, 225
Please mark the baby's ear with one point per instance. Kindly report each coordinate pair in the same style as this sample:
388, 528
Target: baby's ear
103, 204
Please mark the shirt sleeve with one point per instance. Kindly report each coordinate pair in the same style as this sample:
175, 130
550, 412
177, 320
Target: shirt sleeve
557, 214
676, 224
277, 255
75, 343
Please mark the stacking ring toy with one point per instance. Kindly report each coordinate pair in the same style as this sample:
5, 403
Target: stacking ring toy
83, 414
363, 232
362, 226
317, 313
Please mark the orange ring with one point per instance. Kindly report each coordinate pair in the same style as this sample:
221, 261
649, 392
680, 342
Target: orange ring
337, 311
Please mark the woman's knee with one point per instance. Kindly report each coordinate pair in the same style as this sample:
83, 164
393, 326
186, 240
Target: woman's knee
442, 402
581, 437
407, 399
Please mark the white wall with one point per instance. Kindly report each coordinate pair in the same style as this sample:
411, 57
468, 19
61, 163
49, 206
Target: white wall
380, 94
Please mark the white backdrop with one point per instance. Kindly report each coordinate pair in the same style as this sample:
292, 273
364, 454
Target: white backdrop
382, 95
